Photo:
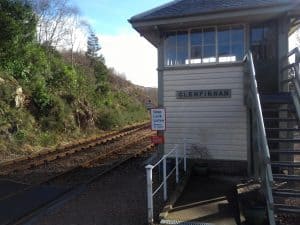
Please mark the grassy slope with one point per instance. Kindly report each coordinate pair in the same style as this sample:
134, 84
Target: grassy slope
63, 101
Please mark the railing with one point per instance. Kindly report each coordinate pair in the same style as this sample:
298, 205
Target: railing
262, 154
163, 184
292, 72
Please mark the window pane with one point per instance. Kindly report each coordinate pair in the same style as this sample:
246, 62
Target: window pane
223, 35
237, 34
209, 51
182, 56
182, 39
257, 35
224, 50
196, 52
196, 37
238, 51
170, 56
209, 36
170, 40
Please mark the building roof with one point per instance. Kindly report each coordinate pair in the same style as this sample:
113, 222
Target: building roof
185, 8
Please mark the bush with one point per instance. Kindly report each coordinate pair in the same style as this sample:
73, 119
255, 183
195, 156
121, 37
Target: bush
20, 136
107, 120
47, 139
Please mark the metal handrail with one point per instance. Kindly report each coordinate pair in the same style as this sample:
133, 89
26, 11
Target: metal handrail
295, 51
264, 162
163, 184
295, 79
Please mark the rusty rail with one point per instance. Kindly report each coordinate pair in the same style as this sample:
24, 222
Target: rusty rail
67, 150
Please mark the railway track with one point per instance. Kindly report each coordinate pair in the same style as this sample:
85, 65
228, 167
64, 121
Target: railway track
77, 169
47, 156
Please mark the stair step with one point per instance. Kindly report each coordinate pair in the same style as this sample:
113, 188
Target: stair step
278, 98
283, 129
175, 222
282, 177
293, 140
286, 193
292, 152
287, 208
265, 110
267, 119
285, 164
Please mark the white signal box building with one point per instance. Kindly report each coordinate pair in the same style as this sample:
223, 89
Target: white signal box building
201, 70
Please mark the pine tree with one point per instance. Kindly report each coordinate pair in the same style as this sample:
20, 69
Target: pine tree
93, 48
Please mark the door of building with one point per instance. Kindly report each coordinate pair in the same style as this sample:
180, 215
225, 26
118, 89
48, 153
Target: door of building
264, 47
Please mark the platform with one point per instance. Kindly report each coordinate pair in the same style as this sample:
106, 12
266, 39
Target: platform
206, 200
15, 203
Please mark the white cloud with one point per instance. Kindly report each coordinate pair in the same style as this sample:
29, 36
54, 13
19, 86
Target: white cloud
293, 42
132, 55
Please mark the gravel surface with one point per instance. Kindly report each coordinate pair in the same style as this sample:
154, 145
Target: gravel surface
45, 171
118, 198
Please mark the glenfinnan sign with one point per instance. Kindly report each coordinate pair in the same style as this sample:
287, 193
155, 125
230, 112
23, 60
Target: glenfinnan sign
215, 93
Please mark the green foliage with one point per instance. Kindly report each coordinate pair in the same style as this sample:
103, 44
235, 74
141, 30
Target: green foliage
47, 139
93, 47
62, 100
17, 25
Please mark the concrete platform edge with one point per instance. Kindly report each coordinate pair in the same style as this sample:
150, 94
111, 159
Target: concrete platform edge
175, 195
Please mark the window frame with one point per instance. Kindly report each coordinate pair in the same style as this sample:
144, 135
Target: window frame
177, 47
217, 60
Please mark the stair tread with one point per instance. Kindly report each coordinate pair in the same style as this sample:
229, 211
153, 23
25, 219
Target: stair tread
286, 177
280, 119
284, 139
287, 208
285, 164
280, 97
286, 193
278, 110
285, 151
282, 129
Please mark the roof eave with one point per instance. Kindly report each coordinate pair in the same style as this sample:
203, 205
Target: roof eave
212, 15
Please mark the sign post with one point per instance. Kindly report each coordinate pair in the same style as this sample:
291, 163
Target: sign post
149, 105
158, 119
158, 123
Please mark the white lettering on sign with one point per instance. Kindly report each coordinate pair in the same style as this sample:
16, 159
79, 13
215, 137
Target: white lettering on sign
158, 119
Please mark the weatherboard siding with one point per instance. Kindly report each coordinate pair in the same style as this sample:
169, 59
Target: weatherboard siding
216, 128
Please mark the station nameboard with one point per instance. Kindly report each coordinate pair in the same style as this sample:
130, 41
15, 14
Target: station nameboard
214, 93
158, 119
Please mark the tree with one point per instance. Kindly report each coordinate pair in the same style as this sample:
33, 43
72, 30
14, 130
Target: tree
97, 62
78, 31
17, 26
93, 48
55, 20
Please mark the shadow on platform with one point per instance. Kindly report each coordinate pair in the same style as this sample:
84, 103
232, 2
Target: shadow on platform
211, 200
16, 203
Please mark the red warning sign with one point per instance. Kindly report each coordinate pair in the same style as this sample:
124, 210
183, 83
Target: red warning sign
157, 139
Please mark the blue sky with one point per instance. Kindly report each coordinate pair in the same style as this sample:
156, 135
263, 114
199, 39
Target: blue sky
109, 16
122, 47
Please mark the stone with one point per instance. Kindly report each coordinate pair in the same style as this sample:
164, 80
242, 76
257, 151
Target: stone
20, 98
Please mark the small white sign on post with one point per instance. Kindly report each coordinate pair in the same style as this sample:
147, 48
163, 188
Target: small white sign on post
158, 119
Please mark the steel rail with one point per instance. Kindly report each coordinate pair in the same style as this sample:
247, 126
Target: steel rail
51, 155
102, 155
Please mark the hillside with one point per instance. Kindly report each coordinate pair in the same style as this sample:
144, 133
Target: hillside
47, 99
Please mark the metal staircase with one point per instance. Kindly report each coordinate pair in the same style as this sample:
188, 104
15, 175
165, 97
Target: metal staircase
276, 139
282, 129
